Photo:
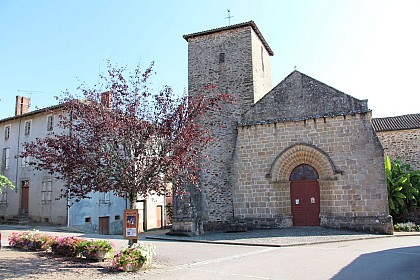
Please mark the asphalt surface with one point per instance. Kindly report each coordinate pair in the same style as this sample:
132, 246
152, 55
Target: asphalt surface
294, 253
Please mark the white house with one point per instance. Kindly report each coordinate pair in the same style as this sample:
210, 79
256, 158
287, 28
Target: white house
37, 193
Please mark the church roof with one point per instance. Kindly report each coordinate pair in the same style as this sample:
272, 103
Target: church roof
230, 27
411, 121
300, 97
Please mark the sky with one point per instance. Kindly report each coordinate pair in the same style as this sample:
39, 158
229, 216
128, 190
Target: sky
368, 49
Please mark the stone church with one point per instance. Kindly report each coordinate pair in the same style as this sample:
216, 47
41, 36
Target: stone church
300, 154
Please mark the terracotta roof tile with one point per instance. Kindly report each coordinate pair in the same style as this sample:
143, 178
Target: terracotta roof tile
396, 123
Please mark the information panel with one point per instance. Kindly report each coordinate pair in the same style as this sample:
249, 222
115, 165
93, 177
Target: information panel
131, 223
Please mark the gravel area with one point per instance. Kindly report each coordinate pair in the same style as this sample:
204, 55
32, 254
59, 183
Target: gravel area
21, 264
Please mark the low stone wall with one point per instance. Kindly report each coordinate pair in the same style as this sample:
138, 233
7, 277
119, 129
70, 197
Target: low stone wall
186, 227
374, 224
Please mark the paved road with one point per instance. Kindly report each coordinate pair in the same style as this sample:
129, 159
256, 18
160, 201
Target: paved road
384, 258
377, 258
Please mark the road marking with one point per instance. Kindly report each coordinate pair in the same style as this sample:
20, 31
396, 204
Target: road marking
228, 258
232, 274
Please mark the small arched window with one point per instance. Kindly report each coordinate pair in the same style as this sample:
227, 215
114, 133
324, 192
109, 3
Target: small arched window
303, 172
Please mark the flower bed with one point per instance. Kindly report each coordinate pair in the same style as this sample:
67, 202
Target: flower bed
31, 240
129, 259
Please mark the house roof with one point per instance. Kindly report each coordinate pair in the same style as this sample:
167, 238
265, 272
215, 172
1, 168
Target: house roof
230, 27
32, 113
411, 121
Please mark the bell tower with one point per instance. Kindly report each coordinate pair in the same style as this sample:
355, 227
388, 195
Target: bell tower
235, 59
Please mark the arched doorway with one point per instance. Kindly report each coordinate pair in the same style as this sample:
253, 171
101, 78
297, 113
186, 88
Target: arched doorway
304, 195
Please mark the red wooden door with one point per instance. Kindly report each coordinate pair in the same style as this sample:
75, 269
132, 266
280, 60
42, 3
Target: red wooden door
305, 196
24, 199
305, 203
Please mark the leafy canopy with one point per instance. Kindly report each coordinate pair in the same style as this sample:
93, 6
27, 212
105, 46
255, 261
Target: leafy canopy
403, 185
121, 136
5, 183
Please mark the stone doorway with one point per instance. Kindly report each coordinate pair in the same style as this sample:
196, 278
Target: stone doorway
305, 196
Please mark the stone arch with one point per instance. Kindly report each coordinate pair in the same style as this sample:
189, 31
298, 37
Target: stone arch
302, 153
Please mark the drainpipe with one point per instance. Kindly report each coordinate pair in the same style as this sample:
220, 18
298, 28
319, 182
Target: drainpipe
17, 160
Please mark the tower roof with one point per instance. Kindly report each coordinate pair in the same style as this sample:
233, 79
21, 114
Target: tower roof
230, 27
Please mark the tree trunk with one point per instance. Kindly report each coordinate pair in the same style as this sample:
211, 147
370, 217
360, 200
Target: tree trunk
132, 199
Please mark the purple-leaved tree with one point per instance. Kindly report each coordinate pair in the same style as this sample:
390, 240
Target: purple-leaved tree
121, 136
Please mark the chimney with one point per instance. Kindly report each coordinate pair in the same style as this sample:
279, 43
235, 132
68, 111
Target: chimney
22, 105
106, 99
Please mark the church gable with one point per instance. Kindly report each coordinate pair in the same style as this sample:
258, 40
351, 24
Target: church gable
300, 97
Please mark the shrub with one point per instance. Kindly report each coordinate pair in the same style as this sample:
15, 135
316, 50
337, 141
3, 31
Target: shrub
66, 246
406, 227
403, 184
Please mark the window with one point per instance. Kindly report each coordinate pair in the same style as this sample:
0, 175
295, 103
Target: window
50, 123
88, 220
3, 197
28, 127
25, 160
262, 58
221, 57
46, 192
303, 172
7, 132
104, 197
6, 158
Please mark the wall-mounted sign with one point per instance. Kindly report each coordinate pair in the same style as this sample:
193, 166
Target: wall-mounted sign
297, 201
131, 223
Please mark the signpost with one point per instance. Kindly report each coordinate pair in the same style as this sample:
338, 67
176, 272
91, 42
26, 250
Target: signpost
131, 224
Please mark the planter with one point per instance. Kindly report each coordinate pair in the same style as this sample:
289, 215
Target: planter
132, 267
98, 256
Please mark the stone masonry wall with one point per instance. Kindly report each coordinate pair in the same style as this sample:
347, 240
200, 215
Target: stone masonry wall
300, 96
261, 68
343, 149
402, 143
224, 59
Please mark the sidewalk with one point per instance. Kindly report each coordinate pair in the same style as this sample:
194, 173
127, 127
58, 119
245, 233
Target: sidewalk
294, 236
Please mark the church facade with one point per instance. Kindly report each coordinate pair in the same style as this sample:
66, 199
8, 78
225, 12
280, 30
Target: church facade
299, 154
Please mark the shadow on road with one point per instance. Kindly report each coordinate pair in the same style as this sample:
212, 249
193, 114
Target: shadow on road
400, 263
